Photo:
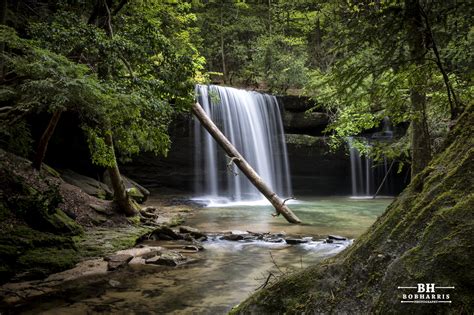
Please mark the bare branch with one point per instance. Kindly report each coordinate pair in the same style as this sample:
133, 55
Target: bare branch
229, 165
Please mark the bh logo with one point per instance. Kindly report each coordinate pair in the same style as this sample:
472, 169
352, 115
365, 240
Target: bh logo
426, 287
425, 293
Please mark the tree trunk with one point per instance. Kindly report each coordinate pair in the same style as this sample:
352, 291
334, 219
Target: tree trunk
44, 141
120, 193
420, 138
245, 167
102, 16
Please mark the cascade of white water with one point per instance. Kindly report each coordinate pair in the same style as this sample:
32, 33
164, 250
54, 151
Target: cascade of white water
363, 170
252, 123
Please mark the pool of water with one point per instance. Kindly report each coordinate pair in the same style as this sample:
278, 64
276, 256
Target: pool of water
320, 216
226, 272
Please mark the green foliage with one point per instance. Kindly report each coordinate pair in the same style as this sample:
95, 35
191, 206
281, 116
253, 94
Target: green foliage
260, 44
101, 153
372, 72
280, 62
130, 75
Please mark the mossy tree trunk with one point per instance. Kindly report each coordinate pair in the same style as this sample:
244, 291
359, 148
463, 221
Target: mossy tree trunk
420, 138
243, 165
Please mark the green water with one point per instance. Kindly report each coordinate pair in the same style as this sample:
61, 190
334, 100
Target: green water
320, 216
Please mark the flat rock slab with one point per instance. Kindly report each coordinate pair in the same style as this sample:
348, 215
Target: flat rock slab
167, 259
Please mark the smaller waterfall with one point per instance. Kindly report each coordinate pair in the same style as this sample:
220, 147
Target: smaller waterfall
362, 175
366, 175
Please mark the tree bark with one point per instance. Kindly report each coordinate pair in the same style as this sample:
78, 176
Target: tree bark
243, 165
44, 140
120, 193
420, 138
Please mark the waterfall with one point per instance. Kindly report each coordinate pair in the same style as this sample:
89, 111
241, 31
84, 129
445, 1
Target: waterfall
365, 175
252, 123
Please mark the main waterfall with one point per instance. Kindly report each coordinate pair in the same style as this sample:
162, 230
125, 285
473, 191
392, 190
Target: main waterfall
252, 123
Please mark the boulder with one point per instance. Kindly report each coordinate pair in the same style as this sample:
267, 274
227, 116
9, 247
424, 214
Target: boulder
193, 232
117, 261
88, 185
167, 259
294, 241
232, 237
164, 233
337, 238
99, 208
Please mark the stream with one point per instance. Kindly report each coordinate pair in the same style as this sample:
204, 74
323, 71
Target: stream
225, 272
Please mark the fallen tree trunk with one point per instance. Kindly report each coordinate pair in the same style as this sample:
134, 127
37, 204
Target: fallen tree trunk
243, 165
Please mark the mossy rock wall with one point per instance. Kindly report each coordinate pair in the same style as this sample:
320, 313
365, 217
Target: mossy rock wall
425, 236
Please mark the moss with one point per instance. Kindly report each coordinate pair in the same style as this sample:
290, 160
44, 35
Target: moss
103, 241
136, 194
40, 262
51, 171
40, 209
33, 254
135, 220
175, 221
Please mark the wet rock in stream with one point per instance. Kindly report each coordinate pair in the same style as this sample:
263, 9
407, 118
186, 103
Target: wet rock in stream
193, 232
336, 238
164, 233
232, 237
169, 258
117, 261
294, 241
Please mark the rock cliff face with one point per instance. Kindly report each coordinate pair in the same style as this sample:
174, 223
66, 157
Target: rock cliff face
424, 237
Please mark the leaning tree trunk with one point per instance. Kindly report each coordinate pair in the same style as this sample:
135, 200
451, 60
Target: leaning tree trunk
120, 193
420, 141
44, 141
244, 166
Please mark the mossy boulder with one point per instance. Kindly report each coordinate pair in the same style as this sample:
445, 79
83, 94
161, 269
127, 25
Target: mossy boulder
425, 236
39, 209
